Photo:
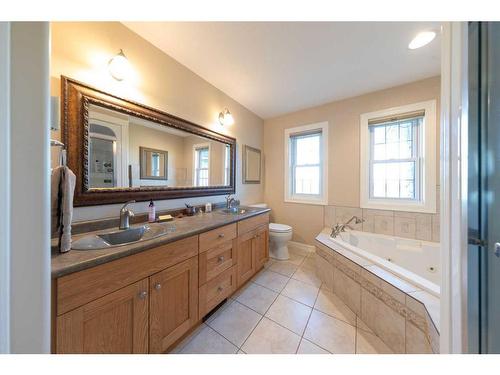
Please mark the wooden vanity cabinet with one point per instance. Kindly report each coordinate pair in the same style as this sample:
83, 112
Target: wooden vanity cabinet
246, 257
173, 301
252, 246
115, 323
217, 267
145, 303
261, 243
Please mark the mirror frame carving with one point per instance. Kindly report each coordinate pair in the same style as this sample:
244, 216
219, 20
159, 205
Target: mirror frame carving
76, 97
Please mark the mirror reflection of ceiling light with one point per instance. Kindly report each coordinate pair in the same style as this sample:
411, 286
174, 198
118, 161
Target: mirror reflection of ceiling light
119, 66
226, 118
423, 38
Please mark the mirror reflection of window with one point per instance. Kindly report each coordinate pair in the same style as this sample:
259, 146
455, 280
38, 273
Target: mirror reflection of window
227, 164
201, 165
155, 164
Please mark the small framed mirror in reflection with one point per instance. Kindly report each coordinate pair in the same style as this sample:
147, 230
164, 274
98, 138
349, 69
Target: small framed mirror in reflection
153, 164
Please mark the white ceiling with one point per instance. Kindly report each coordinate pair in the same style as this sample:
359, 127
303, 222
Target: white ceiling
274, 68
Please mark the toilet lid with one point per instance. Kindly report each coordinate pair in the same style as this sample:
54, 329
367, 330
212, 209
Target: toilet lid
275, 227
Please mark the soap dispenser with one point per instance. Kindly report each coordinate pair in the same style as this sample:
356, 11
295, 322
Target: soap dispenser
152, 212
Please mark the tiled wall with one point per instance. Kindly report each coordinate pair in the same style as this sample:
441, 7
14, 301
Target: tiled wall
414, 225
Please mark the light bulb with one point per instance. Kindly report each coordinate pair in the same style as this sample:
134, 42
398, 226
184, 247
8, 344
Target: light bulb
226, 118
119, 66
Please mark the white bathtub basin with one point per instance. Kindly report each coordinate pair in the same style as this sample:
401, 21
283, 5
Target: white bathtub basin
414, 261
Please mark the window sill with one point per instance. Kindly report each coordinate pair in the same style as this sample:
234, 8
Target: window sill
317, 202
399, 206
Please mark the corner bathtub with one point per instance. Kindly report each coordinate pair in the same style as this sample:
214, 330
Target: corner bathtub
390, 283
415, 261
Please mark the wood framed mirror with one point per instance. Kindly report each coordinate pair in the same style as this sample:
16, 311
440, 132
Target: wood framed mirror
105, 137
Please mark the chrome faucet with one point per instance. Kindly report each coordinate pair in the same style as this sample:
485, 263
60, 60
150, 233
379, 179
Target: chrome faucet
229, 201
125, 215
338, 228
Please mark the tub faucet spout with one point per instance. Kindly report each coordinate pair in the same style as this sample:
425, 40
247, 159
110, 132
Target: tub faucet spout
338, 228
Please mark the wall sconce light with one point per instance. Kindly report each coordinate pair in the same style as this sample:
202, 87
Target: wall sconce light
226, 118
119, 66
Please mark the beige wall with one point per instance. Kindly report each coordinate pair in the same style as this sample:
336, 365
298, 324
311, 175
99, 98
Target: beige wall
343, 118
82, 51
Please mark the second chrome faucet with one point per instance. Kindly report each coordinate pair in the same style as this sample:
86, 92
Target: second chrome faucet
338, 228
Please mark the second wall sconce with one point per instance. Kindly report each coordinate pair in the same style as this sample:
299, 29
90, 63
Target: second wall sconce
226, 118
119, 66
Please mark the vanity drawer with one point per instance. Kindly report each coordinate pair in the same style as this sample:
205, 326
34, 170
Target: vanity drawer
215, 261
216, 237
216, 290
247, 225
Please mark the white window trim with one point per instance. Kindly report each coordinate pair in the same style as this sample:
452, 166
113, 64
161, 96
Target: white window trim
305, 199
427, 203
201, 145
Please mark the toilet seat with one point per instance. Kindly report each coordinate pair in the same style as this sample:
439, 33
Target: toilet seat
279, 228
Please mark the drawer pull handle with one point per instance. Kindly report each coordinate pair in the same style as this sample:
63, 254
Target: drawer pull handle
221, 259
220, 289
158, 286
143, 294
221, 235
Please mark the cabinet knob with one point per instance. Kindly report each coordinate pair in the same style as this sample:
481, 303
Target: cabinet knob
143, 294
158, 286
221, 235
220, 289
221, 259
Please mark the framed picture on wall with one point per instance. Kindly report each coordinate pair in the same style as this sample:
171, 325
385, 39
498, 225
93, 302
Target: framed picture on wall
251, 165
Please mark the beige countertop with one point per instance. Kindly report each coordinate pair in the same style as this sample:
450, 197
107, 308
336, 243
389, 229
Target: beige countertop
77, 260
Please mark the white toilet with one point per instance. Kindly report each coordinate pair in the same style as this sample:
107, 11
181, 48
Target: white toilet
279, 235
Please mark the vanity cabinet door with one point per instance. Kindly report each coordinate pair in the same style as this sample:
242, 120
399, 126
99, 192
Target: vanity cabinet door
246, 257
115, 323
261, 245
173, 304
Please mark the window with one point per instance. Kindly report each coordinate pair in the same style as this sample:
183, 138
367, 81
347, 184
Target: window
306, 164
398, 158
201, 165
227, 163
155, 164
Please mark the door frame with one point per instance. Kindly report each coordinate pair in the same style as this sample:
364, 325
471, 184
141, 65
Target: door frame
5, 188
453, 170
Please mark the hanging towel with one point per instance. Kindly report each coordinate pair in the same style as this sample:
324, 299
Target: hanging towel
62, 190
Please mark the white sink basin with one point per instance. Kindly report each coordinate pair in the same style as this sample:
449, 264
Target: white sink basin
122, 237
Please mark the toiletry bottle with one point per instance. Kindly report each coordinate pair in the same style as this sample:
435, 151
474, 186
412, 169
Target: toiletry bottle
152, 212
208, 207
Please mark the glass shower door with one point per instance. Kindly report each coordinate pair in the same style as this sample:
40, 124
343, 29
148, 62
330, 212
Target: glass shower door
484, 188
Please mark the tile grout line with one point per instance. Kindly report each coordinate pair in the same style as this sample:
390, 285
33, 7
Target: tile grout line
262, 317
207, 325
312, 310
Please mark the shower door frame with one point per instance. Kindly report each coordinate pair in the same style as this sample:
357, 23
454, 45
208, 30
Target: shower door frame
453, 187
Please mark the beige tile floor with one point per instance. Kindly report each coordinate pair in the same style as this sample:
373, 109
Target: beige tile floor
283, 310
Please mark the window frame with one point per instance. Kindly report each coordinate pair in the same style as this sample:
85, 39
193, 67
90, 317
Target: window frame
196, 148
319, 199
226, 164
426, 176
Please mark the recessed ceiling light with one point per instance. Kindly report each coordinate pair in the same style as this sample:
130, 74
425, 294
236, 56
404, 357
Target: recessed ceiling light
423, 38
